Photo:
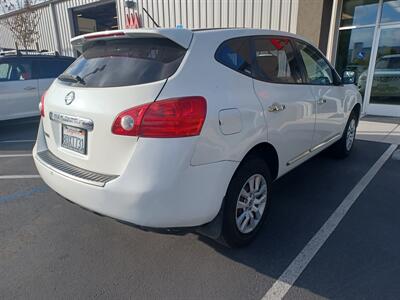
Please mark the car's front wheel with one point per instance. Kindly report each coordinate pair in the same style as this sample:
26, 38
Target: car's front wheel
342, 147
246, 202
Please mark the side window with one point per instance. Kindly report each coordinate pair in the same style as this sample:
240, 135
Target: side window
4, 71
235, 54
275, 60
318, 70
51, 68
16, 70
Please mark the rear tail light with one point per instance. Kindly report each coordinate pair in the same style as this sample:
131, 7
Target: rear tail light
170, 118
41, 104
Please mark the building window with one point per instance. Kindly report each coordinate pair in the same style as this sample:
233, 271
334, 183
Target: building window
354, 51
391, 11
359, 12
385, 87
94, 18
370, 34
355, 43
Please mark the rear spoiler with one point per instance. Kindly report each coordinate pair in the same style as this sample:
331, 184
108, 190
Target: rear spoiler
182, 37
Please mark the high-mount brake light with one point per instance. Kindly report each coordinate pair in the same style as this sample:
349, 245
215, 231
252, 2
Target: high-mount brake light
170, 118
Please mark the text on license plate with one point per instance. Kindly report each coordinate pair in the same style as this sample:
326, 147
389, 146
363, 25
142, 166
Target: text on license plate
74, 139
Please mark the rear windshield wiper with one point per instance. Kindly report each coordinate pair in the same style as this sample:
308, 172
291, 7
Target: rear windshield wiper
71, 78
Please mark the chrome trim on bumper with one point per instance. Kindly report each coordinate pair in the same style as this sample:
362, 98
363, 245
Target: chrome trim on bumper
57, 165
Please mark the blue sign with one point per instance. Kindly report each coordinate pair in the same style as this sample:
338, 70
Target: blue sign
361, 55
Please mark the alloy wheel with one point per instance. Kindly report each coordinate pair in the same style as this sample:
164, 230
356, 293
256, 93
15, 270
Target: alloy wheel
251, 203
351, 133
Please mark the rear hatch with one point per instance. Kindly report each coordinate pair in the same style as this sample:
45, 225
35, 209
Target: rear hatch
114, 73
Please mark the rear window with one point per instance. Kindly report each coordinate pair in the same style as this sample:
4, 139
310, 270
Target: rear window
123, 62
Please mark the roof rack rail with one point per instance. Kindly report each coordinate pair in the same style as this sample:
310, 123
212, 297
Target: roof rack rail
28, 52
45, 52
8, 52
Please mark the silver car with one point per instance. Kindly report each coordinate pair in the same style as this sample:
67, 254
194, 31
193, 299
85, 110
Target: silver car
385, 85
24, 78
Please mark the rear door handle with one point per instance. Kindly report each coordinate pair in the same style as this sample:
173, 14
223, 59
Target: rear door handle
276, 107
321, 101
29, 88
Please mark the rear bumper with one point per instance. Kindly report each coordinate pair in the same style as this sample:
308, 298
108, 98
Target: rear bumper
166, 192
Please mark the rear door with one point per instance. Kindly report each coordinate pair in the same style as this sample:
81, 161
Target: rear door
289, 106
329, 96
110, 77
19, 96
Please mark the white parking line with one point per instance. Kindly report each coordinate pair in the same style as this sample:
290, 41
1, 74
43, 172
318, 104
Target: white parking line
15, 155
19, 176
18, 141
297, 266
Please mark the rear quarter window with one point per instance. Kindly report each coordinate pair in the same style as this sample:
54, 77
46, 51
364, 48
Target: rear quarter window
124, 62
236, 55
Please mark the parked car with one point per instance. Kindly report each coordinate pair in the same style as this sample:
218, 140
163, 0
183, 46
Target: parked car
23, 78
173, 128
385, 84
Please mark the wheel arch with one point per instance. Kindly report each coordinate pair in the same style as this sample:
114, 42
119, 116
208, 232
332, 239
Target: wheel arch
268, 153
263, 150
357, 110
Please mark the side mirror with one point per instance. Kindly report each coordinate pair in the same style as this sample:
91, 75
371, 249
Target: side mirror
349, 77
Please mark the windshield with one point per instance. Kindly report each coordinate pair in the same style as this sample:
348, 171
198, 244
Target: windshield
123, 62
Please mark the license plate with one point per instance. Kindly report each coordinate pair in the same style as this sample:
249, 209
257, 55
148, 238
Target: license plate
74, 138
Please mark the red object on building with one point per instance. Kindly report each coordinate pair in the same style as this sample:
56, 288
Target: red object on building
132, 21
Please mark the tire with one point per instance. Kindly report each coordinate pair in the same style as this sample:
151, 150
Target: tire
253, 171
343, 147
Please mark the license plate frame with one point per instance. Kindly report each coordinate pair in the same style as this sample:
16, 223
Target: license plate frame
74, 139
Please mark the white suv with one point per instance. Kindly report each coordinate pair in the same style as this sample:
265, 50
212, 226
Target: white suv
174, 128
